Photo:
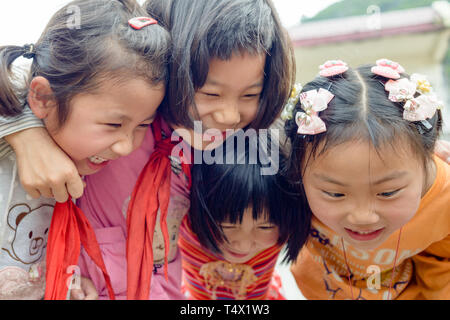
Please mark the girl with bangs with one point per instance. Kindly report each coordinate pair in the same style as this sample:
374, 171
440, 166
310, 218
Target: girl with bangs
238, 223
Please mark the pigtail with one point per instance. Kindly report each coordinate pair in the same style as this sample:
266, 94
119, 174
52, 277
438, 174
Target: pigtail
11, 102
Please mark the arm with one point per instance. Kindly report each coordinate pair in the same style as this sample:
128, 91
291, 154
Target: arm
44, 169
432, 271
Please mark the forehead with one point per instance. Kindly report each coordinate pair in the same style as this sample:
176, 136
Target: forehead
120, 98
359, 159
241, 69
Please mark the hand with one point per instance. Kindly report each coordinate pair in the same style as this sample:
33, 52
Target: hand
44, 169
86, 291
442, 150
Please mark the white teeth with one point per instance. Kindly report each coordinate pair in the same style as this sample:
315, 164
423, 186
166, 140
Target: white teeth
364, 232
97, 159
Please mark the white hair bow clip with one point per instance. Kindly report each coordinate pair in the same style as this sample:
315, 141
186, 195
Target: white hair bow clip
415, 109
312, 102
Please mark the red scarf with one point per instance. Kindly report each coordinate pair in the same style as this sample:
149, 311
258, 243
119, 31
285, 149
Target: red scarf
151, 192
68, 230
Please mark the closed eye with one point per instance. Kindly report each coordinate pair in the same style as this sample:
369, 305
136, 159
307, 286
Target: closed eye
114, 125
228, 227
210, 94
389, 194
256, 95
269, 227
333, 194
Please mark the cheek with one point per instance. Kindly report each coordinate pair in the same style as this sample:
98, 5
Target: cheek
138, 138
267, 239
401, 211
248, 112
81, 142
321, 209
201, 108
75, 146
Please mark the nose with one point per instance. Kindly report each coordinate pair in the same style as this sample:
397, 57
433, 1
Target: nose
243, 245
228, 114
124, 146
363, 216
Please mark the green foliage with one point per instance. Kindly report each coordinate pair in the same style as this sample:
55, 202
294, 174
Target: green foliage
347, 8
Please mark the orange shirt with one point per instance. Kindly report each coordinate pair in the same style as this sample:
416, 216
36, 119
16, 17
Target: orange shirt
422, 268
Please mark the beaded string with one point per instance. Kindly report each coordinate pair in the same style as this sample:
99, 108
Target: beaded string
393, 268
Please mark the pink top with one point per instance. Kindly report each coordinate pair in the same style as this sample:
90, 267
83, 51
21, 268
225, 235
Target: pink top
105, 201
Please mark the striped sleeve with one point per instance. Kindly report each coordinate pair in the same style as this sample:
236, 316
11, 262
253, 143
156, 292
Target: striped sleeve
25, 120
10, 125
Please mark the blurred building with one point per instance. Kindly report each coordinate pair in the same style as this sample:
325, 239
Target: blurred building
417, 38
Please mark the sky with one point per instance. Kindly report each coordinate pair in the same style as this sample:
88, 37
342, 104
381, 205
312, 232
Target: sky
22, 21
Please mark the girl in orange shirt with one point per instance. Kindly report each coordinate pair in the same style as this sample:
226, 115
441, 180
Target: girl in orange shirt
362, 143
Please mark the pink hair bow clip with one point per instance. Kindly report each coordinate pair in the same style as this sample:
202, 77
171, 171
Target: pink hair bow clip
332, 68
388, 69
312, 102
138, 23
415, 109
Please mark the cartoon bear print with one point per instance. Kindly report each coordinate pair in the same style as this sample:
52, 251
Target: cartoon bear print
30, 228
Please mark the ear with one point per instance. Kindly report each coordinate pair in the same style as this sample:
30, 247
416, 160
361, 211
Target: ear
16, 213
40, 97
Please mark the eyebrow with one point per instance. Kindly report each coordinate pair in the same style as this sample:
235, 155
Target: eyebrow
120, 116
329, 179
392, 176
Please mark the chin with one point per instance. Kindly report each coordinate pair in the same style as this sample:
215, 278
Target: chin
83, 168
238, 261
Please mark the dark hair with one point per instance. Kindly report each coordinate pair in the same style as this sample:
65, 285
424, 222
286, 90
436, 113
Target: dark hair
360, 110
223, 192
73, 58
206, 29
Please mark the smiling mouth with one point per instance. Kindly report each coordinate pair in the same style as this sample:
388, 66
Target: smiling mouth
97, 159
364, 235
236, 254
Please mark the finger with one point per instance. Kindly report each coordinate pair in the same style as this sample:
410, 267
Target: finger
46, 192
77, 294
92, 295
60, 193
90, 292
75, 186
32, 192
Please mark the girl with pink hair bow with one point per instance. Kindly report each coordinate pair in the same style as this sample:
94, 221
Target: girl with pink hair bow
362, 146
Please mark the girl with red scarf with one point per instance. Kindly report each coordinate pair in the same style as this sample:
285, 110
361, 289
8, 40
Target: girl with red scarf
227, 78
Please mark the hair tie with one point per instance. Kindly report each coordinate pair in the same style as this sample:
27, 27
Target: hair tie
29, 51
